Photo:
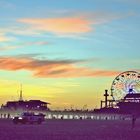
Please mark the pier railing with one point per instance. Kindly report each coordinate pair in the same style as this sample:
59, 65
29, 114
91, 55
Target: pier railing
68, 115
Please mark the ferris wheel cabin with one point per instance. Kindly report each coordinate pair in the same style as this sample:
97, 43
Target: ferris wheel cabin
125, 93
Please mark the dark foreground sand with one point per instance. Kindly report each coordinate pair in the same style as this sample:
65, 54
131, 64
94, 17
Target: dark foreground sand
70, 130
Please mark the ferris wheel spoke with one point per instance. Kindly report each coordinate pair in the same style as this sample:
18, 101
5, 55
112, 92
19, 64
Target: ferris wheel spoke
124, 83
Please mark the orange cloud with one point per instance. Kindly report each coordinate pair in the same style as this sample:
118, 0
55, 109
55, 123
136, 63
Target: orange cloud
59, 25
72, 72
51, 69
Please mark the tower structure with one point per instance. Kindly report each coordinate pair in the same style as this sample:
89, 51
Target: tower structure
106, 95
20, 96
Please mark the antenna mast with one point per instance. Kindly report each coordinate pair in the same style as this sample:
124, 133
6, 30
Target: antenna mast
20, 97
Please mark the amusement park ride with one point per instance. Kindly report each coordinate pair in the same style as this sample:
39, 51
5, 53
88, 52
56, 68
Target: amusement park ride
125, 94
124, 98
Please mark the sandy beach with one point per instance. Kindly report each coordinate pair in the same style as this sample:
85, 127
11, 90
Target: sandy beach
70, 130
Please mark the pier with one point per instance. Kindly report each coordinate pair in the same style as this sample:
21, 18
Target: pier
68, 115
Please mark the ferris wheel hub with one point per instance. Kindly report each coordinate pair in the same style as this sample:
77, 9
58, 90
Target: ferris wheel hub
127, 82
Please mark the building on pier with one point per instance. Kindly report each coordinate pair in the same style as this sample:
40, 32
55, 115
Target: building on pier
130, 103
26, 105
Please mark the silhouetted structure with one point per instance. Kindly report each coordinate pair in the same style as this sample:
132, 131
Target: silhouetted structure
29, 105
20, 96
130, 104
106, 95
107, 105
107, 102
23, 104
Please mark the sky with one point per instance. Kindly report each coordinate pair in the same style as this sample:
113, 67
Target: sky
66, 52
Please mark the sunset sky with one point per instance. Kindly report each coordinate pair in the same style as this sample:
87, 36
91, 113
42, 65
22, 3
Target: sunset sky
66, 52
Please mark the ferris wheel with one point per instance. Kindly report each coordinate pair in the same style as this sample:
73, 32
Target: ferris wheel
127, 82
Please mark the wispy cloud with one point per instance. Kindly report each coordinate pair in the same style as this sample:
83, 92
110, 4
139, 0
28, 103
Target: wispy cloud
6, 48
35, 43
52, 68
71, 25
19, 30
59, 25
78, 24
4, 38
24, 44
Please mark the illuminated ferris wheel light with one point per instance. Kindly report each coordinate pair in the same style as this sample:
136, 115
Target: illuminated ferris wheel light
125, 83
